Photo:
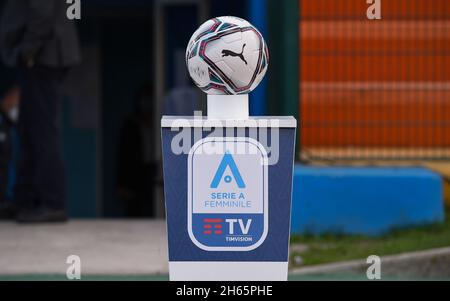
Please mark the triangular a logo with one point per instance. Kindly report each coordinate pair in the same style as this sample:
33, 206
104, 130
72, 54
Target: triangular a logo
227, 161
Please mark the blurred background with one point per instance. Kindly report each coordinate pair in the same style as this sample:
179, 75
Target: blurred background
372, 98
130, 49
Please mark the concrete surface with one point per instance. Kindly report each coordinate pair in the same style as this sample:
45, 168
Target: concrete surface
104, 246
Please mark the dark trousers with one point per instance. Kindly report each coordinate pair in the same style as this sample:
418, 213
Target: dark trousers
41, 175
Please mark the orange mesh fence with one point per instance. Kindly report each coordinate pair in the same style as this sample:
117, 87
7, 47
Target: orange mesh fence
375, 88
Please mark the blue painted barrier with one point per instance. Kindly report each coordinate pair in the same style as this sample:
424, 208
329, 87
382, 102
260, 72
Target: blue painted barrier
369, 201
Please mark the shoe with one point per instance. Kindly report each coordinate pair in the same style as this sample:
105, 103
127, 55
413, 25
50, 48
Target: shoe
42, 216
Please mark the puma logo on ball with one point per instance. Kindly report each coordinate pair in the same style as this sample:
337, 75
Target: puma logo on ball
226, 52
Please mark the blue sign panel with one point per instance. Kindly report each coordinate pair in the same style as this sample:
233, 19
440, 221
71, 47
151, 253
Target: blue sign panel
224, 204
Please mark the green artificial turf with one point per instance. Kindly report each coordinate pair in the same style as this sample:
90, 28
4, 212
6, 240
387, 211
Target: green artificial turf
333, 248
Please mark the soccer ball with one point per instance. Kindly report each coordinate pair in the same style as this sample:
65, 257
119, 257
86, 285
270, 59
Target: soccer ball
227, 56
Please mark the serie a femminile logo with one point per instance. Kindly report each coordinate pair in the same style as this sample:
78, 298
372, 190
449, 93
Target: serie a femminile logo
228, 205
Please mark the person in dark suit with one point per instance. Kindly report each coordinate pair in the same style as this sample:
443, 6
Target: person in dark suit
38, 40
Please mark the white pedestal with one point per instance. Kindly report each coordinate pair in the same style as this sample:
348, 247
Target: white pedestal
228, 271
228, 107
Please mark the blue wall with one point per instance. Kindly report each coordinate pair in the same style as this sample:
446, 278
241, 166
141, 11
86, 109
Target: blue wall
126, 64
80, 158
368, 201
258, 17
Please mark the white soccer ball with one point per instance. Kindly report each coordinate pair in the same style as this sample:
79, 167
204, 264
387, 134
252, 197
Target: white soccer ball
227, 56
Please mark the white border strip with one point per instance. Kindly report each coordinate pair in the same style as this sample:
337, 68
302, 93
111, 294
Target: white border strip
228, 271
177, 122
